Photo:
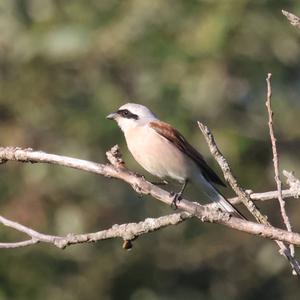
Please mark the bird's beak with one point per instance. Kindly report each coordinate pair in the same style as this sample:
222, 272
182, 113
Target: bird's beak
111, 116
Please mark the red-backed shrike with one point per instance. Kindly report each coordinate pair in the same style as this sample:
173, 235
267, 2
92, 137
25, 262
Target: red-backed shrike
164, 152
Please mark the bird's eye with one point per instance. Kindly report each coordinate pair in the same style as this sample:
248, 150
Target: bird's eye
125, 113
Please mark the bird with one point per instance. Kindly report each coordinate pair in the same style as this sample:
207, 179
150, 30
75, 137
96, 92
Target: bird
165, 153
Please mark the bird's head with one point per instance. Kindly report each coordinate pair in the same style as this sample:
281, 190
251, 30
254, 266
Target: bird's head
131, 115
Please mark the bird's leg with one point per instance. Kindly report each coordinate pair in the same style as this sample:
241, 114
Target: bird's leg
177, 196
164, 182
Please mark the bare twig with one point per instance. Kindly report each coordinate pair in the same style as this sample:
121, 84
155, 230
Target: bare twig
292, 192
245, 198
294, 20
276, 161
289, 193
18, 244
203, 213
127, 232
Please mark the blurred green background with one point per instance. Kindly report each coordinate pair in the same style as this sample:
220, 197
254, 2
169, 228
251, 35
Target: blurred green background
64, 65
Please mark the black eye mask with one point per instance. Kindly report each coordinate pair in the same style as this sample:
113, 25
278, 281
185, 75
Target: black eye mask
125, 113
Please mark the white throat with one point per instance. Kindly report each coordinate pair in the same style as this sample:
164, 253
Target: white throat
128, 124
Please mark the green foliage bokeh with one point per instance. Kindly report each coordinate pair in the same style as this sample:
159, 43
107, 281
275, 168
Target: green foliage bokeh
64, 65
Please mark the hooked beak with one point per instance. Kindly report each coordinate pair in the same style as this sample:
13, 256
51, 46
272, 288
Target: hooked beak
111, 116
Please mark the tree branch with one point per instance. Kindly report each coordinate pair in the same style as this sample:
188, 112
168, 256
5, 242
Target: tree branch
245, 198
127, 232
294, 20
229, 177
139, 184
292, 192
18, 244
276, 161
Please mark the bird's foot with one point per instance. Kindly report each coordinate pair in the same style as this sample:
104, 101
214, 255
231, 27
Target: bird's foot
176, 199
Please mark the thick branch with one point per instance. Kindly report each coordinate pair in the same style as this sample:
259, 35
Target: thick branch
205, 214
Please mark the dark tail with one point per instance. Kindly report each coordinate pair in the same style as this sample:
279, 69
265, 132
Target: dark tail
215, 196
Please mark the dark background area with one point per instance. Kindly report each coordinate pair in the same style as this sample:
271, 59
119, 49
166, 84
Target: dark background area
64, 65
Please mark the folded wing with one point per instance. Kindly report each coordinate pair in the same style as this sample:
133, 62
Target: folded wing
175, 137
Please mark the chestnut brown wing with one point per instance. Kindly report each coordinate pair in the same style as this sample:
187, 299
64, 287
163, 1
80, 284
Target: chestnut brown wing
175, 137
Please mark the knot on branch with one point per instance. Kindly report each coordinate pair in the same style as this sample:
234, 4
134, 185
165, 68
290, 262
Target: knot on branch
214, 215
140, 185
210, 213
2, 161
127, 245
114, 156
63, 242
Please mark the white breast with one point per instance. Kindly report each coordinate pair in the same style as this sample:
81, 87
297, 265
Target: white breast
157, 155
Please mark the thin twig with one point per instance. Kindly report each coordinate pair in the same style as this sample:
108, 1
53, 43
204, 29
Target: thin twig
19, 244
291, 193
245, 198
276, 161
243, 195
